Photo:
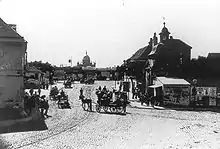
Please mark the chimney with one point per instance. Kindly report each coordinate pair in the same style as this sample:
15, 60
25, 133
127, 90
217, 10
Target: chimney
155, 42
151, 42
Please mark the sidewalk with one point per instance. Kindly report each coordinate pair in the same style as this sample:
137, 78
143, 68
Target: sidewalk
135, 103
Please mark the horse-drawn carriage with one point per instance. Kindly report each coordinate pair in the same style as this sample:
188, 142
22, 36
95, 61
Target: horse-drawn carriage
114, 107
104, 102
86, 103
54, 93
63, 102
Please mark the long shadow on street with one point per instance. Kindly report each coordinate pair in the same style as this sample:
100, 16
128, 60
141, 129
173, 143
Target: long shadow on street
33, 125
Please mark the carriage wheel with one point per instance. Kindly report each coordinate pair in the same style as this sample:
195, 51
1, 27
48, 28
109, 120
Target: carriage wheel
113, 109
120, 110
59, 106
98, 108
84, 106
124, 110
105, 108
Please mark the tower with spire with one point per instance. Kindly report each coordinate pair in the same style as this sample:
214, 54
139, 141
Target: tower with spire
164, 34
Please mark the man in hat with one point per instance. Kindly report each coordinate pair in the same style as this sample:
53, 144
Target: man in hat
44, 106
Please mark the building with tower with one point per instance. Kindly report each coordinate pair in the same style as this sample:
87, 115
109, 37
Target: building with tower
86, 62
167, 57
164, 35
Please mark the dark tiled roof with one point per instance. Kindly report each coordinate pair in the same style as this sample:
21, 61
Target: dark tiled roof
141, 54
34, 69
175, 43
7, 33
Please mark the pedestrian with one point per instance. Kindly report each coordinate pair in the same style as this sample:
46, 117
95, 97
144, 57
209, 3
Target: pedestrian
100, 88
141, 98
31, 91
46, 83
135, 92
147, 98
120, 86
81, 94
39, 91
104, 90
194, 93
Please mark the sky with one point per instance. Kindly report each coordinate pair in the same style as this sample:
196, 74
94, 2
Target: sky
109, 30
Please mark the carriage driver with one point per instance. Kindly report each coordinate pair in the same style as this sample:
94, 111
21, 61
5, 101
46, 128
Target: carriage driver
62, 93
81, 94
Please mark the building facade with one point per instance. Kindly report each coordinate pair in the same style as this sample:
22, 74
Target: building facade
12, 61
169, 57
165, 56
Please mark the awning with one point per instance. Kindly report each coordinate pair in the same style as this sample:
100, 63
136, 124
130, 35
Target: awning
171, 81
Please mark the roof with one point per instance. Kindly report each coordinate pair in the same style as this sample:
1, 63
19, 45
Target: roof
141, 54
172, 81
34, 69
175, 43
214, 55
104, 69
9, 34
88, 68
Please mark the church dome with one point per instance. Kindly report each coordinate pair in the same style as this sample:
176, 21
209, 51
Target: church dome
86, 58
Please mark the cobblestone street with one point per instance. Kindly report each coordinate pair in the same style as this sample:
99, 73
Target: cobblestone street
139, 128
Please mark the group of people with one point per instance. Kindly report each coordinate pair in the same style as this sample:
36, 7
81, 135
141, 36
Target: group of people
115, 97
54, 91
104, 94
135, 93
45, 83
148, 98
34, 100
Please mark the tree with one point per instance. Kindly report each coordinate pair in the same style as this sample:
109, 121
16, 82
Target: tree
42, 66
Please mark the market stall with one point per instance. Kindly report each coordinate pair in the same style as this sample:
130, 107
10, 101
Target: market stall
173, 90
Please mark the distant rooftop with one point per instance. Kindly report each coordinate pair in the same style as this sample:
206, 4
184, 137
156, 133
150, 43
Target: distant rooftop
214, 55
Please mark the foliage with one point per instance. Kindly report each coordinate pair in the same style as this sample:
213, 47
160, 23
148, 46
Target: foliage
42, 66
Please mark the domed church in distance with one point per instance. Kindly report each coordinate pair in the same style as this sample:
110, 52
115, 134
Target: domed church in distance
86, 62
